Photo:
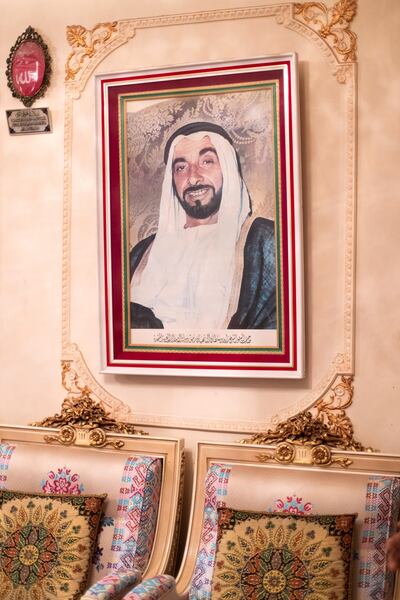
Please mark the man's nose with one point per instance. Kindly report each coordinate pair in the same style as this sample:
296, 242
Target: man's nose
194, 174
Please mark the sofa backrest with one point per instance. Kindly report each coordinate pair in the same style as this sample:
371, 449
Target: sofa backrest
248, 478
142, 480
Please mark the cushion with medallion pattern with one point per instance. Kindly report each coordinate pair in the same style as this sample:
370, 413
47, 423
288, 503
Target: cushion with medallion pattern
46, 544
282, 557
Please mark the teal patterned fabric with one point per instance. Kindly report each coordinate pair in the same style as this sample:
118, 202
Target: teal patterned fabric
112, 585
382, 508
215, 491
137, 513
152, 589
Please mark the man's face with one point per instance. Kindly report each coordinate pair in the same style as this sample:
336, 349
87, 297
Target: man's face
197, 176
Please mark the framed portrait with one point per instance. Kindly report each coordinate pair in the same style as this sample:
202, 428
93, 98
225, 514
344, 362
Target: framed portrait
200, 217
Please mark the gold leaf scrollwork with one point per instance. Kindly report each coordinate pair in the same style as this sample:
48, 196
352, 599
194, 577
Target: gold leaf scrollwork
85, 43
295, 453
332, 24
326, 423
331, 412
82, 420
321, 455
321, 428
265, 457
83, 412
70, 379
284, 453
98, 438
66, 437
298, 454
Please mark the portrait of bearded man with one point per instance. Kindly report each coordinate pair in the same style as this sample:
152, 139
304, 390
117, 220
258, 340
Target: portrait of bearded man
187, 275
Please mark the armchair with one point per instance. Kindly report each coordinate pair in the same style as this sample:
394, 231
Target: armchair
267, 522
141, 476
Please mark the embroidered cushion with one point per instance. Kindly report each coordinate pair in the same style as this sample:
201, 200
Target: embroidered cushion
279, 556
133, 483
46, 544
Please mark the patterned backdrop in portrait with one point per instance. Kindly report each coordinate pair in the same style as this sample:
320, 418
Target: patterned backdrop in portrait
246, 116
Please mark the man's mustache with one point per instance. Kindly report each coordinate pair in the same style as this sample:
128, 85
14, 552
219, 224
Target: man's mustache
196, 188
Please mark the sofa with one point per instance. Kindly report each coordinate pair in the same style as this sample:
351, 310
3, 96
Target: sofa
85, 511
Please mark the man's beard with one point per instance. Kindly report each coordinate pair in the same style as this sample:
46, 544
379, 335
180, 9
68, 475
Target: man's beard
199, 210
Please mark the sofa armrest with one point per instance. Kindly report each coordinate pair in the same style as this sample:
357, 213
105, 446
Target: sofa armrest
156, 588
113, 586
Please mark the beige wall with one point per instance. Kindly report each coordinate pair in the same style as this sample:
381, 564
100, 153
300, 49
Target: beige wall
31, 189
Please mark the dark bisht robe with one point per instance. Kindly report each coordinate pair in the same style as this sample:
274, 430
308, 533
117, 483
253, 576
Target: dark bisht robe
257, 299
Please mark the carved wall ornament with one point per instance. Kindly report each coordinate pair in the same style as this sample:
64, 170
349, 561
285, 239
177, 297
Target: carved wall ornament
299, 454
76, 377
84, 422
332, 25
85, 44
326, 424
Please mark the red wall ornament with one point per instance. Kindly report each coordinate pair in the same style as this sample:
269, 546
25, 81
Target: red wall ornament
28, 67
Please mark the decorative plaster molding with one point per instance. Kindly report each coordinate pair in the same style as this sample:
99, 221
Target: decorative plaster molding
85, 423
66, 232
76, 377
90, 47
329, 31
327, 417
85, 43
332, 25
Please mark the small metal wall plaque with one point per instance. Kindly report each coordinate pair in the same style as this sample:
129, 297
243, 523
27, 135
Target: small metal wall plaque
28, 120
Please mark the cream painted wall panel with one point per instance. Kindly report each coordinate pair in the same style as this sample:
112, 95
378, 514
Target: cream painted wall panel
376, 409
30, 226
324, 216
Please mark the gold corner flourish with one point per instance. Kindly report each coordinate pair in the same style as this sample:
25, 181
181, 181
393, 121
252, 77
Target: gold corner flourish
332, 25
317, 430
85, 422
85, 43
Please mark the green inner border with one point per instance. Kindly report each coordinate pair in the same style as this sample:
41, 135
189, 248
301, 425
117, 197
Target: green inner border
124, 204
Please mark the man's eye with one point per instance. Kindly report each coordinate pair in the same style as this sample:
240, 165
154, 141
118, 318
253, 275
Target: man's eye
208, 161
179, 168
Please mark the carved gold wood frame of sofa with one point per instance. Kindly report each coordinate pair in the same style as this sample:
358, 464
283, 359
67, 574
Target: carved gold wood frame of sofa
328, 28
